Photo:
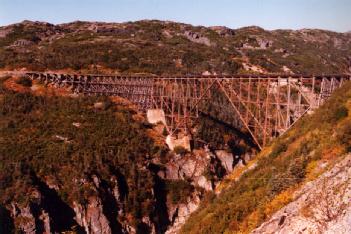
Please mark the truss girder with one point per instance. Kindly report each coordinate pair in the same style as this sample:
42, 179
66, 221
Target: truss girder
267, 105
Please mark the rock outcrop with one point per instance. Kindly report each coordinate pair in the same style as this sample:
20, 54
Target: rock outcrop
25, 219
91, 217
22, 42
197, 38
321, 206
203, 168
180, 213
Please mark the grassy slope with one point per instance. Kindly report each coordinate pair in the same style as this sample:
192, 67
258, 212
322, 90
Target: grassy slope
291, 160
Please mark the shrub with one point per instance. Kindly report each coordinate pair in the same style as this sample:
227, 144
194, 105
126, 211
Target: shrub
341, 112
179, 191
278, 148
164, 131
180, 150
344, 135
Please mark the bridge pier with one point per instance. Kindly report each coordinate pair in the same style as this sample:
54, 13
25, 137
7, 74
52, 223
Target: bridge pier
183, 141
155, 116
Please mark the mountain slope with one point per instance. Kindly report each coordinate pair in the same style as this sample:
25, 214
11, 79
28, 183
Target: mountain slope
321, 206
98, 162
70, 162
303, 153
77, 163
159, 47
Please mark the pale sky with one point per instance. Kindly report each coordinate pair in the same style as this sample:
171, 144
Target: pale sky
269, 14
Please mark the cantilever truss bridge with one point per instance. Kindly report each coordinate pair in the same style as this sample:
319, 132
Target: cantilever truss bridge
267, 105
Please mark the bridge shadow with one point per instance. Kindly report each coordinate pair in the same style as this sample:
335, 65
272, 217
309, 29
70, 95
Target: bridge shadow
234, 143
235, 130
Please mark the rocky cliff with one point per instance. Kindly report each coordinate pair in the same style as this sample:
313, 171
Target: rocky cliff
65, 166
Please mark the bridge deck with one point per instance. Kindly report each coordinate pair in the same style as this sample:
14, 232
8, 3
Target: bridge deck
267, 105
234, 76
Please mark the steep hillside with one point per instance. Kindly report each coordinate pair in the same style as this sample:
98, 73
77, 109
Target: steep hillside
110, 172
171, 48
310, 148
94, 165
62, 158
321, 206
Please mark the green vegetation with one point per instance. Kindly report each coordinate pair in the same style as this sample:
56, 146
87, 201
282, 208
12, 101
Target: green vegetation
39, 142
162, 48
40, 139
179, 191
140, 47
180, 150
325, 135
19, 32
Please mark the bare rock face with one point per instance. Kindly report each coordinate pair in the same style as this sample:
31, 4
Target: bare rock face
22, 42
179, 214
264, 43
91, 217
200, 167
188, 166
146, 220
310, 35
204, 183
46, 221
96, 216
32, 218
117, 195
155, 116
197, 38
226, 159
321, 206
25, 219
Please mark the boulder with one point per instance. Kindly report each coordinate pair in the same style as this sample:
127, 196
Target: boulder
197, 38
202, 182
226, 159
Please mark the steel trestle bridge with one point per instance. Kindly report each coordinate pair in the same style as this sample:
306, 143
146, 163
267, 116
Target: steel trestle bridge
267, 105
